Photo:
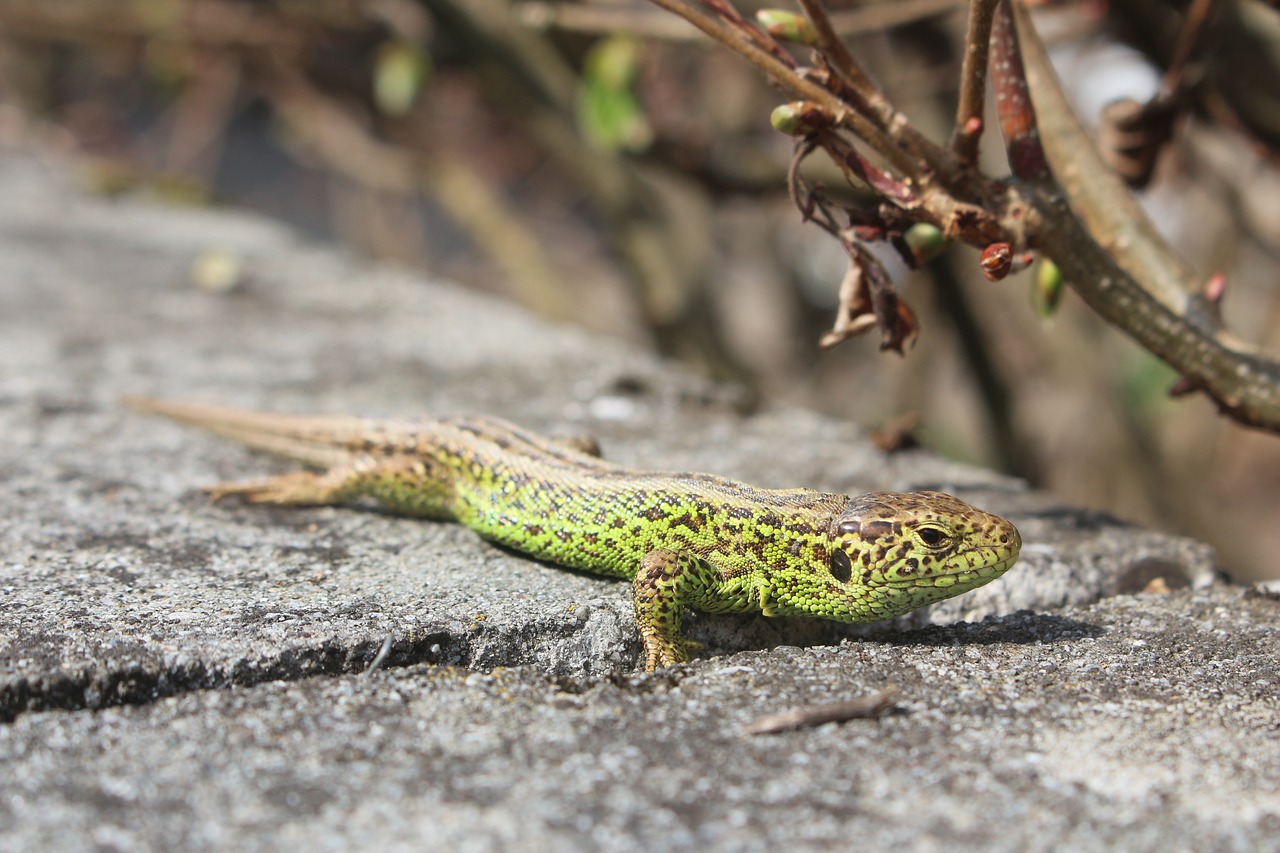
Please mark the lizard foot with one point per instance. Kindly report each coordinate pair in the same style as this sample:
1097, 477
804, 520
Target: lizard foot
300, 488
659, 653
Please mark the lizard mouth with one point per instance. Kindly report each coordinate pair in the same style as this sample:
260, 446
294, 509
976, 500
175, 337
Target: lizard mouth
964, 578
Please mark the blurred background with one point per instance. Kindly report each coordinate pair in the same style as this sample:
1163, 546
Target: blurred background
604, 166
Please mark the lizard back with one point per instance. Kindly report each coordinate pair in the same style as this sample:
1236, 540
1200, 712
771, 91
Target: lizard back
560, 504
534, 494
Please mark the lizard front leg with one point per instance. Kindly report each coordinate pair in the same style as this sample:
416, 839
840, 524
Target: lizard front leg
666, 582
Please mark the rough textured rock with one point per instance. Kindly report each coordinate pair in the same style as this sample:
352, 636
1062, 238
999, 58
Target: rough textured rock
1058, 721
1141, 723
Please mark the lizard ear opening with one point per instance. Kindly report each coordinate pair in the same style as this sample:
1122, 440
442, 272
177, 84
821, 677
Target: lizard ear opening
841, 568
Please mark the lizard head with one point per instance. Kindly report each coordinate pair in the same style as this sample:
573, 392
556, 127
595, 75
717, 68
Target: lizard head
895, 551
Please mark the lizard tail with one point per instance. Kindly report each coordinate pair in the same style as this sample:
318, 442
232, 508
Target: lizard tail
317, 441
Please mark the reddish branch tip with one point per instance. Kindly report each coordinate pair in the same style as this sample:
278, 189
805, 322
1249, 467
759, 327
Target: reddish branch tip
1013, 99
1182, 386
1215, 288
997, 261
973, 126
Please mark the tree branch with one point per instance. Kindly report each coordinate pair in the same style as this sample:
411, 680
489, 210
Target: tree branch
841, 60
1110, 254
870, 97
1114, 258
1104, 205
973, 82
841, 113
606, 19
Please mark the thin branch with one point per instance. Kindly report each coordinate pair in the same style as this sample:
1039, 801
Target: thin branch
605, 20
875, 705
1112, 256
748, 31
940, 183
882, 16
869, 96
1174, 320
973, 82
1194, 29
840, 112
858, 170
597, 19
837, 54
1244, 385
1099, 198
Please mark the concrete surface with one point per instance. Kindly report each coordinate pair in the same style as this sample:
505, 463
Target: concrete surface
176, 674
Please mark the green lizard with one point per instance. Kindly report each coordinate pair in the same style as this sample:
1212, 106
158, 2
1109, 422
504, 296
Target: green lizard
682, 539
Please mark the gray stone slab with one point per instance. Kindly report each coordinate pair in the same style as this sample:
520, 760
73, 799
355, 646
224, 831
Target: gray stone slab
121, 584
1139, 724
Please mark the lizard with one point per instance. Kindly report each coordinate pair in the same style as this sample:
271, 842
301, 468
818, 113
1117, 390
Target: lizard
684, 540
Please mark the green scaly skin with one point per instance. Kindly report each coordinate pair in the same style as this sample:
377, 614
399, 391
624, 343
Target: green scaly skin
682, 539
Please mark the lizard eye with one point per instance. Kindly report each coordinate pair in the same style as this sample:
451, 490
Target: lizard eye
841, 568
932, 536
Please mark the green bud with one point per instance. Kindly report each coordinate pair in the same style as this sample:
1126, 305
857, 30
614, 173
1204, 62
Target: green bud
1046, 287
400, 69
799, 118
926, 241
787, 26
